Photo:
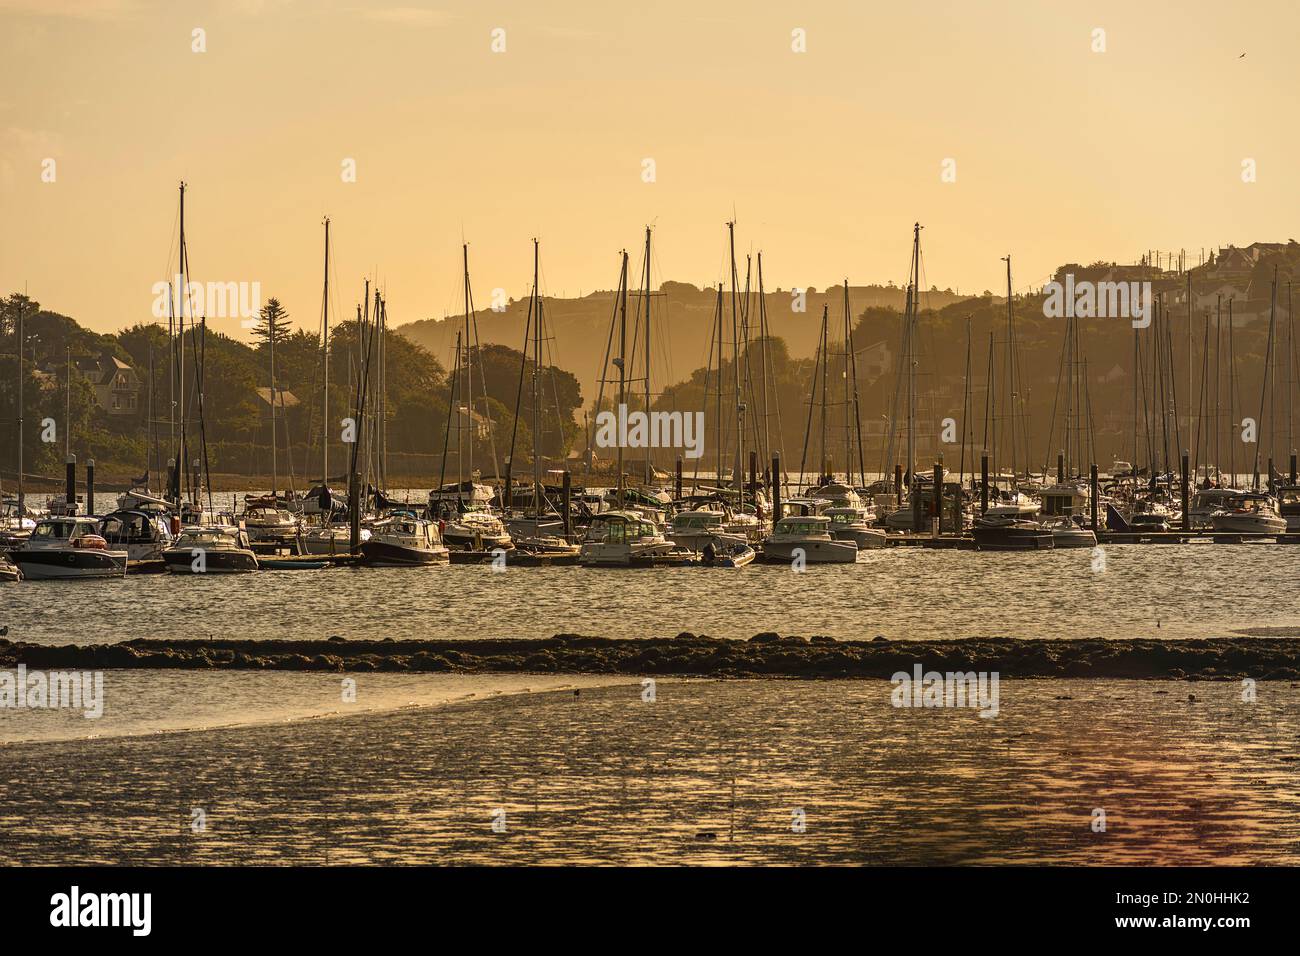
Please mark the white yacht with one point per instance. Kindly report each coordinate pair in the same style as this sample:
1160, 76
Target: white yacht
693, 530
624, 539
809, 537
267, 521
850, 524
144, 534
68, 548
1249, 512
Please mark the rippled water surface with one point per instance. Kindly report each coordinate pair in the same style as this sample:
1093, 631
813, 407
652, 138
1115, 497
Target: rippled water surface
708, 773
1145, 590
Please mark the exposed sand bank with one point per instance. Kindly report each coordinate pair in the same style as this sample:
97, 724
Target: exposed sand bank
1225, 658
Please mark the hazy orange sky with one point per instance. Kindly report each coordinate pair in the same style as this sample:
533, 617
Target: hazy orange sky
826, 157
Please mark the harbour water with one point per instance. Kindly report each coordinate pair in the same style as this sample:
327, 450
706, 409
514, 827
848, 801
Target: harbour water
1171, 591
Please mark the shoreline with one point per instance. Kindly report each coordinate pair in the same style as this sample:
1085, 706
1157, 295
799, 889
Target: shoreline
689, 655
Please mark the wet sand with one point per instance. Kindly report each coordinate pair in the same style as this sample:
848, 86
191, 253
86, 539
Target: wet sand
710, 772
767, 654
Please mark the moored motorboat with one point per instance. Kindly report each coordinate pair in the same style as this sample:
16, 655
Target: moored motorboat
404, 541
1249, 512
807, 538
68, 548
478, 530
143, 534
1070, 533
212, 549
849, 524
627, 539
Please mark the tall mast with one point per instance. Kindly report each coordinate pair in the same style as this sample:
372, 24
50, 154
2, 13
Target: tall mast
22, 498
826, 361
537, 388
911, 352
739, 474
275, 473
1011, 372
469, 374
325, 352
848, 431
645, 297
622, 368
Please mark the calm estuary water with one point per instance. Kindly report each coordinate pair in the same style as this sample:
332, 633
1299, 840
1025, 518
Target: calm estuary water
1145, 590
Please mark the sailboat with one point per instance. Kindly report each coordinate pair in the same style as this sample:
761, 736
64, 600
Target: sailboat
464, 507
539, 530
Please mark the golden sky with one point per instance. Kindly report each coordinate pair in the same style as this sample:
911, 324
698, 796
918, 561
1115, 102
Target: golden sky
826, 156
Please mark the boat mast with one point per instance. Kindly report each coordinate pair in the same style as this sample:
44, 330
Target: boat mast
537, 387
622, 371
1011, 373
469, 379
914, 299
325, 351
22, 498
738, 475
275, 473
649, 469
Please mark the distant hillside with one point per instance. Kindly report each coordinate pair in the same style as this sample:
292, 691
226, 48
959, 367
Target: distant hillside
683, 316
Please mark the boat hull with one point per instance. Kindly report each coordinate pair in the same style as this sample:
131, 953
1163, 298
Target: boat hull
1249, 524
385, 555
813, 552
215, 562
1013, 539
70, 564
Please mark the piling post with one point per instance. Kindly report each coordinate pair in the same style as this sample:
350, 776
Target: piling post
354, 515
984, 483
776, 489
677, 481
70, 486
1269, 483
90, 486
1093, 483
1187, 501
898, 483
1060, 468
566, 496
1293, 472
938, 499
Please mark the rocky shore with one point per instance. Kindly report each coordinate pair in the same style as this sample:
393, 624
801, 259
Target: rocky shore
763, 655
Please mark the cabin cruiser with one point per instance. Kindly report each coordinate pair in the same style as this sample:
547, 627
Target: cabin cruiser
1249, 512
475, 531
404, 541
1069, 532
210, 549
849, 524
1011, 534
693, 530
808, 537
267, 521
144, 534
624, 539
68, 548
1067, 499
1209, 501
